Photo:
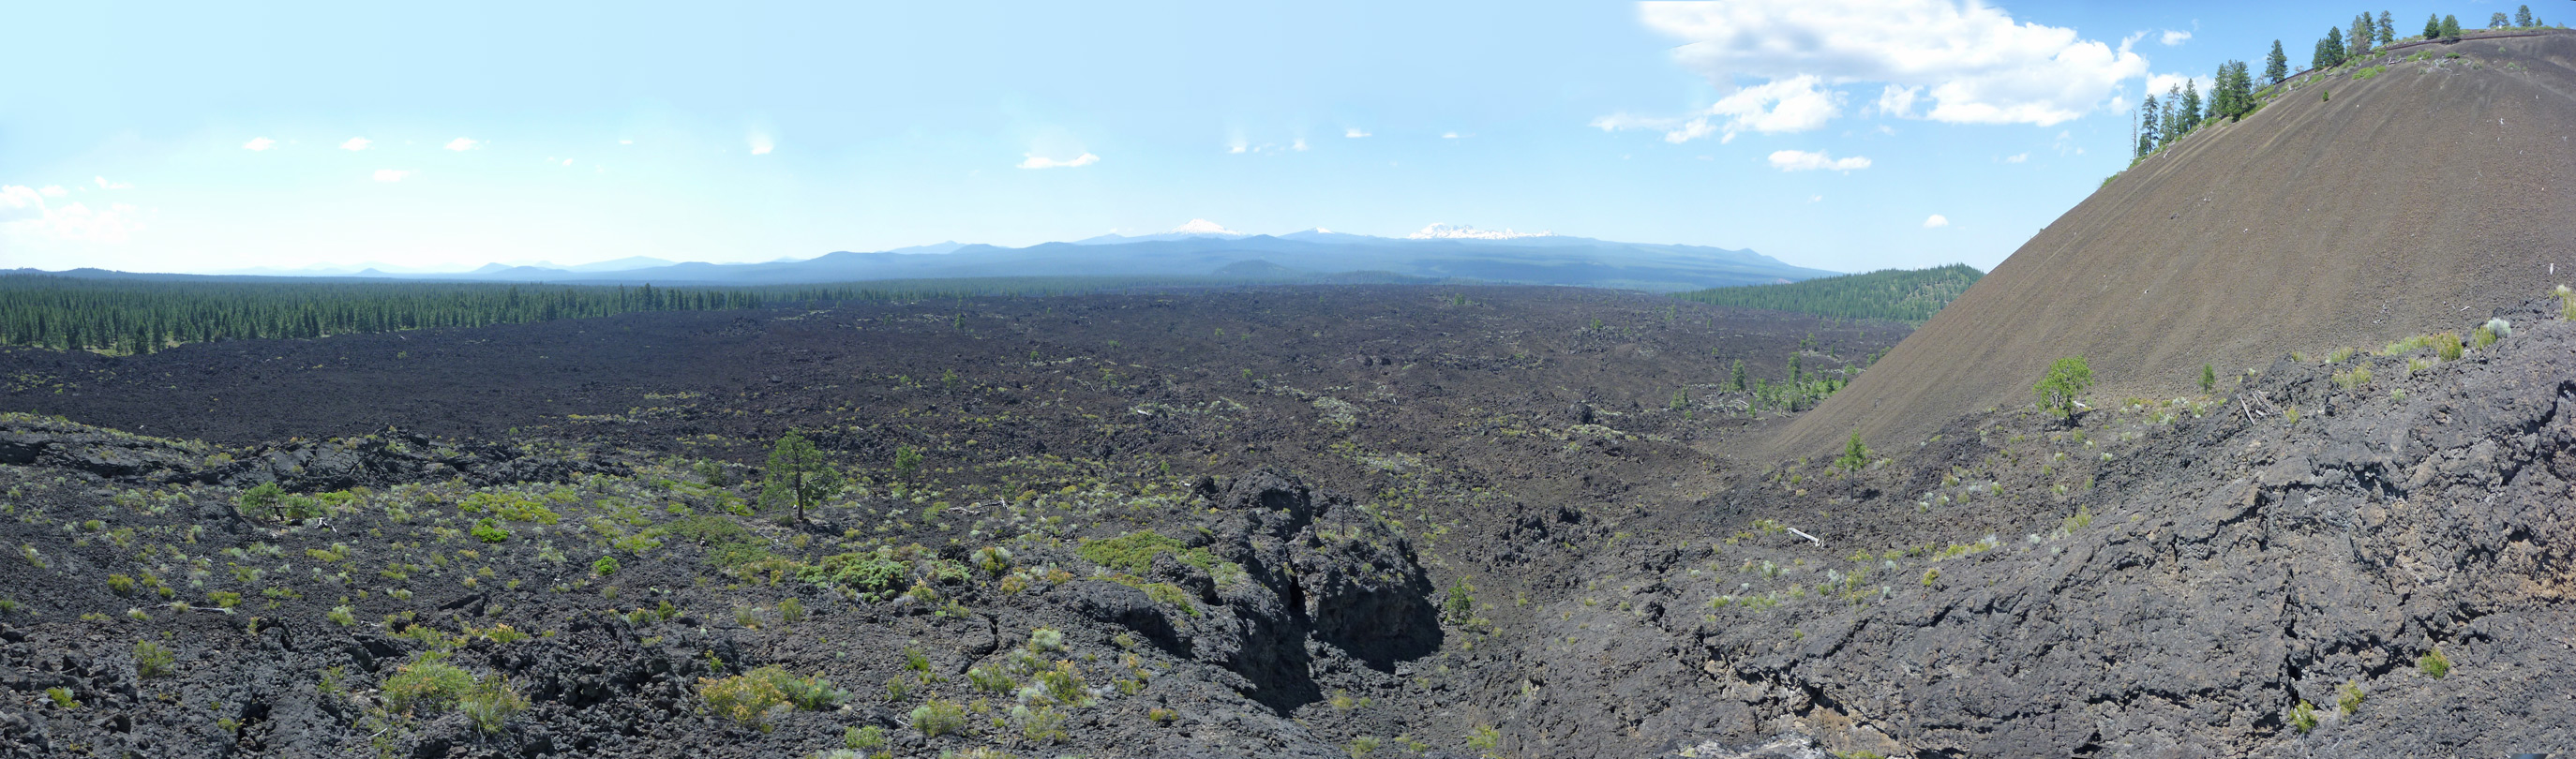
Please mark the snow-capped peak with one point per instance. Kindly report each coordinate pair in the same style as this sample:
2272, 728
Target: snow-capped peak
1464, 232
1202, 227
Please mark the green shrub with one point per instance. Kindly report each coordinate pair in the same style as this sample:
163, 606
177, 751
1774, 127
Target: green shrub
868, 738
605, 566
992, 680
428, 685
120, 585
2447, 345
2349, 697
491, 704
2208, 377
749, 697
871, 573
153, 659
2434, 663
224, 599
907, 459
2359, 376
938, 717
2303, 716
1135, 552
2057, 390
2482, 336
1046, 639
1043, 724
343, 616
994, 560
62, 698
1460, 606
489, 531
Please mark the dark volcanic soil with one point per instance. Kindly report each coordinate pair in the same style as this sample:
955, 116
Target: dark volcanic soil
1387, 522
1484, 436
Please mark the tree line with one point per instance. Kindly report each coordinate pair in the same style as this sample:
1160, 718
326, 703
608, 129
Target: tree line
1893, 294
2233, 91
128, 316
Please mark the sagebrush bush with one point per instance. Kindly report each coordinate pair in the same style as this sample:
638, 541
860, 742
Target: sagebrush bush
748, 698
938, 717
153, 659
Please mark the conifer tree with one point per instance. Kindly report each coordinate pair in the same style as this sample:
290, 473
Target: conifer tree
2148, 130
2357, 43
2433, 27
2522, 17
2276, 66
798, 476
2387, 29
2335, 47
2450, 26
1737, 380
2190, 105
2499, 20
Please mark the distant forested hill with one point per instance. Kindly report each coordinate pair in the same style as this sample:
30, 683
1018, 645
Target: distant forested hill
1894, 294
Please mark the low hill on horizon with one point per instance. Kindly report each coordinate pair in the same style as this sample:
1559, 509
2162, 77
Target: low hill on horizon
1524, 259
2415, 191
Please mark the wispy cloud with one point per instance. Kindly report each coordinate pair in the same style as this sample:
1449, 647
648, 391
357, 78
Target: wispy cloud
461, 144
1936, 222
392, 175
24, 211
2175, 37
104, 184
356, 143
1299, 144
54, 191
761, 144
1355, 133
1448, 135
258, 144
1800, 160
2017, 158
1035, 161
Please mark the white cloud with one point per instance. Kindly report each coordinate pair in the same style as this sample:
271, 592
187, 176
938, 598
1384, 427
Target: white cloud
23, 211
1796, 104
258, 143
392, 175
2175, 37
1974, 62
1355, 133
1036, 162
1898, 101
54, 191
1936, 222
461, 144
2159, 84
1299, 144
1448, 135
1815, 198
1800, 160
356, 143
1202, 227
620, 142
103, 184
2017, 158
761, 144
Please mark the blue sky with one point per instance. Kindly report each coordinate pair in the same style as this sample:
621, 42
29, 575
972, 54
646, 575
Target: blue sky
1827, 133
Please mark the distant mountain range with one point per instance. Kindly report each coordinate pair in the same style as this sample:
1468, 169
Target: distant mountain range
1197, 249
